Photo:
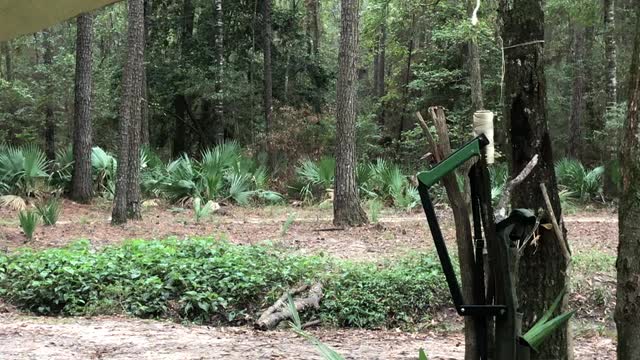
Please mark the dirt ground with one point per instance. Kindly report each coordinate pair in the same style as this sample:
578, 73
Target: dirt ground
23, 337
120, 338
311, 231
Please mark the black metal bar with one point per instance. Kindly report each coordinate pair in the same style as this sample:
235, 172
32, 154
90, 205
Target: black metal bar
441, 247
479, 278
461, 306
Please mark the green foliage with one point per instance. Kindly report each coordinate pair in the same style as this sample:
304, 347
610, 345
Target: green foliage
593, 261
544, 327
29, 220
22, 169
50, 211
389, 183
378, 179
223, 173
422, 355
62, 169
375, 207
583, 184
212, 281
368, 296
296, 325
287, 223
201, 211
104, 167
316, 177
499, 174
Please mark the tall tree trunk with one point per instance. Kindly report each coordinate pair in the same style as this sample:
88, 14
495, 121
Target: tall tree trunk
6, 50
219, 102
49, 119
268, 73
314, 31
129, 114
380, 66
287, 71
609, 152
405, 91
627, 314
144, 126
574, 145
179, 100
180, 136
475, 71
313, 25
611, 51
347, 210
81, 181
134, 197
543, 273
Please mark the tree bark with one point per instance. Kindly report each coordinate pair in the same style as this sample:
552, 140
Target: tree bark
180, 136
219, 44
144, 126
129, 114
460, 208
347, 210
405, 89
610, 188
543, 270
314, 24
50, 121
475, 71
81, 181
611, 51
268, 73
179, 100
574, 145
380, 66
6, 50
627, 313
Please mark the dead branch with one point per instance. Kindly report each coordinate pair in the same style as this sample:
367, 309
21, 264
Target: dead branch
561, 240
501, 209
280, 309
310, 324
427, 134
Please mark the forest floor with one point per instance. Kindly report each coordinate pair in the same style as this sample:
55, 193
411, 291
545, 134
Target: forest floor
24, 337
311, 229
592, 234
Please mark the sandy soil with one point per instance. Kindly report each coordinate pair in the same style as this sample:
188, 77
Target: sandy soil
119, 338
312, 231
397, 233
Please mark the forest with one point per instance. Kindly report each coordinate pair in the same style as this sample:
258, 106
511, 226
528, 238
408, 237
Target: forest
233, 179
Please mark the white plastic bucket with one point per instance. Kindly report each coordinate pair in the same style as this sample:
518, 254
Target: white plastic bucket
483, 124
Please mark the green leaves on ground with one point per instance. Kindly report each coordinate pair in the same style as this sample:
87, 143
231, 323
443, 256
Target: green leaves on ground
29, 220
50, 211
545, 327
376, 180
212, 281
579, 182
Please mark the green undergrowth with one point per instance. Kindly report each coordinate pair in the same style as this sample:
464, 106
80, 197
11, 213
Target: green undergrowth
213, 281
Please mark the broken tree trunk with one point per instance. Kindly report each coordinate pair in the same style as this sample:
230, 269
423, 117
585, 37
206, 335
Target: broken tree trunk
460, 205
280, 311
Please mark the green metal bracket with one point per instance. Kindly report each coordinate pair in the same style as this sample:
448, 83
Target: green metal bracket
469, 150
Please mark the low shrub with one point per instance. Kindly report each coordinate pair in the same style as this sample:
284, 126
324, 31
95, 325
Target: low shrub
210, 281
376, 180
366, 295
29, 220
582, 183
50, 211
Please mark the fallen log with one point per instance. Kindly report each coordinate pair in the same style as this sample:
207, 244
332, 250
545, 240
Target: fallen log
279, 311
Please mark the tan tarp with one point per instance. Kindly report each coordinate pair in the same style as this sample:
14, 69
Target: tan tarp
18, 17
